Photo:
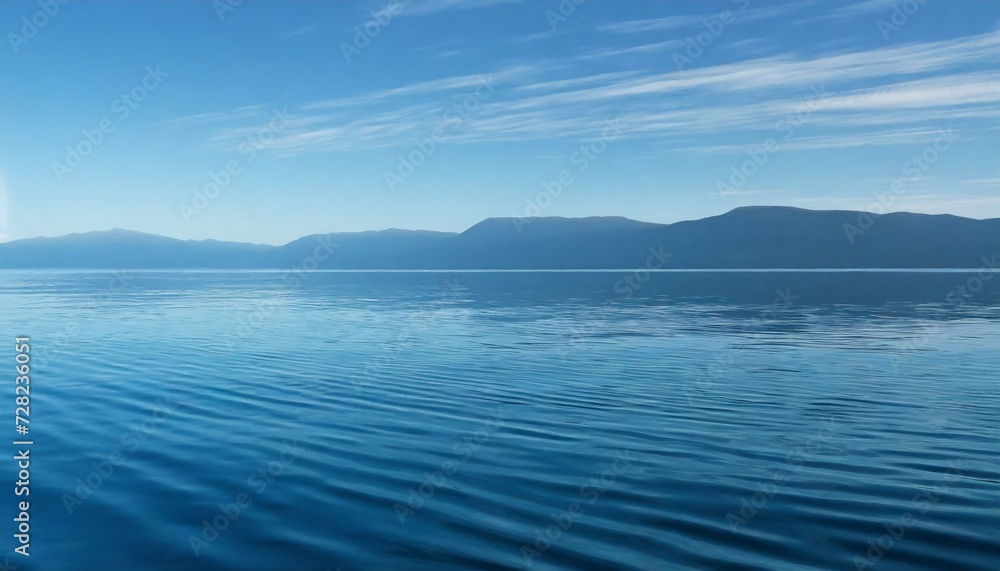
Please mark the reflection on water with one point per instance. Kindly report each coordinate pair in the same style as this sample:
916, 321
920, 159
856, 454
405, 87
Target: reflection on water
590, 420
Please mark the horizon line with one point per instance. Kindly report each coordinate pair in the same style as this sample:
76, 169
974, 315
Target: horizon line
501, 271
513, 220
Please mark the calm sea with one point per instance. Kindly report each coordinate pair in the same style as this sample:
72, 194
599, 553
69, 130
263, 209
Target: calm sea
545, 420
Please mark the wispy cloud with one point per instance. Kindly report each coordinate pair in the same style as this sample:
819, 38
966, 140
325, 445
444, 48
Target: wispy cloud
425, 7
992, 183
654, 24
850, 10
448, 54
688, 24
301, 31
910, 91
836, 141
631, 50
238, 114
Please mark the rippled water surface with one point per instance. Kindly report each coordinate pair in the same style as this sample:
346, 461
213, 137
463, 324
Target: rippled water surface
563, 420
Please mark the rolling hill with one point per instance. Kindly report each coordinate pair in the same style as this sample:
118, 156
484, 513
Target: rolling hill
752, 237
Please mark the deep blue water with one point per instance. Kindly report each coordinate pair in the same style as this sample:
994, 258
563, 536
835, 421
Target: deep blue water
564, 420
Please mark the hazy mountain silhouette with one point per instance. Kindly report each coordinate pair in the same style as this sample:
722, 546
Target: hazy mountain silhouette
752, 237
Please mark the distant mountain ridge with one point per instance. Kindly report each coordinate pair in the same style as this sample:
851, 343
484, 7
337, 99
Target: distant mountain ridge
760, 237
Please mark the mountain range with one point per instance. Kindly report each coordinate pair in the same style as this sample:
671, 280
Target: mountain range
756, 237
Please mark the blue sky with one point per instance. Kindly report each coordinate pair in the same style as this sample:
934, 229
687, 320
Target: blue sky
265, 121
